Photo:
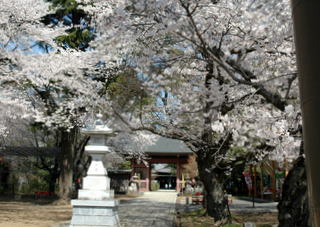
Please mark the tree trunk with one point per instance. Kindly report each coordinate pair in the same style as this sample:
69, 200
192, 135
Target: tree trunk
52, 184
68, 140
213, 182
81, 160
54, 174
293, 207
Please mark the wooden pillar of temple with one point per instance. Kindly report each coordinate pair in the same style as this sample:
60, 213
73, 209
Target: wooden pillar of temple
178, 173
274, 181
261, 181
254, 183
149, 176
133, 167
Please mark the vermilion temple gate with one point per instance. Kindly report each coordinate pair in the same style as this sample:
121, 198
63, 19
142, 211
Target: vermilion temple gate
162, 151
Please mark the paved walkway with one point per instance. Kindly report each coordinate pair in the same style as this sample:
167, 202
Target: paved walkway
153, 209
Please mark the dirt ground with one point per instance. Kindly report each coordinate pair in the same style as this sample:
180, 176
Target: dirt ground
256, 217
31, 214
46, 213
197, 218
35, 213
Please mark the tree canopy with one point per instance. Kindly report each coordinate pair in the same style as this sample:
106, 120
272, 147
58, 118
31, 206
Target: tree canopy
214, 74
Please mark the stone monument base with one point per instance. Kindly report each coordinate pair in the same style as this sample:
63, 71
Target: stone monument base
95, 194
95, 213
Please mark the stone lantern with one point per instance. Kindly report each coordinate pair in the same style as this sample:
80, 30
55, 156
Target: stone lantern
96, 205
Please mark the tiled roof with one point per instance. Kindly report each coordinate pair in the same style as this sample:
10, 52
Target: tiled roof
167, 146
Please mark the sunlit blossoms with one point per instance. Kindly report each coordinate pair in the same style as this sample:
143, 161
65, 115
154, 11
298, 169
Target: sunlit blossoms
54, 83
222, 66
133, 144
3, 130
219, 75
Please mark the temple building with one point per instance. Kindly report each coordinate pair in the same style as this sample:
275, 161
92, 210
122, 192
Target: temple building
173, 153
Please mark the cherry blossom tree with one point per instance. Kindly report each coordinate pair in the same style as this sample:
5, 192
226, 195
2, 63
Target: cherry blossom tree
219, 72
54, 84
214, 74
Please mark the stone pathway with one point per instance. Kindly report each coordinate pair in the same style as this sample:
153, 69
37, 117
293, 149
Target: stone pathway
153, 209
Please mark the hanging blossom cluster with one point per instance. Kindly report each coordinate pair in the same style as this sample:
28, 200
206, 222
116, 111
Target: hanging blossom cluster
60, 76
268, 127
3, 130
205, 63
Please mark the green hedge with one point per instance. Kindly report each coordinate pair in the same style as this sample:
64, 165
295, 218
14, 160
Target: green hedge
155, 186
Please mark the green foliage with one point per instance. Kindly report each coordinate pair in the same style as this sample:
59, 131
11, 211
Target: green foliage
27, 175
175, 51
125, 165
237, 152
34, 184
125, 83
67, 11
196, 218
67, 5
76, 38
126, 90
197, 212
155, 186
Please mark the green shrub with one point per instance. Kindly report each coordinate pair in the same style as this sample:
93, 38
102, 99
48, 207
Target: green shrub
155, 186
